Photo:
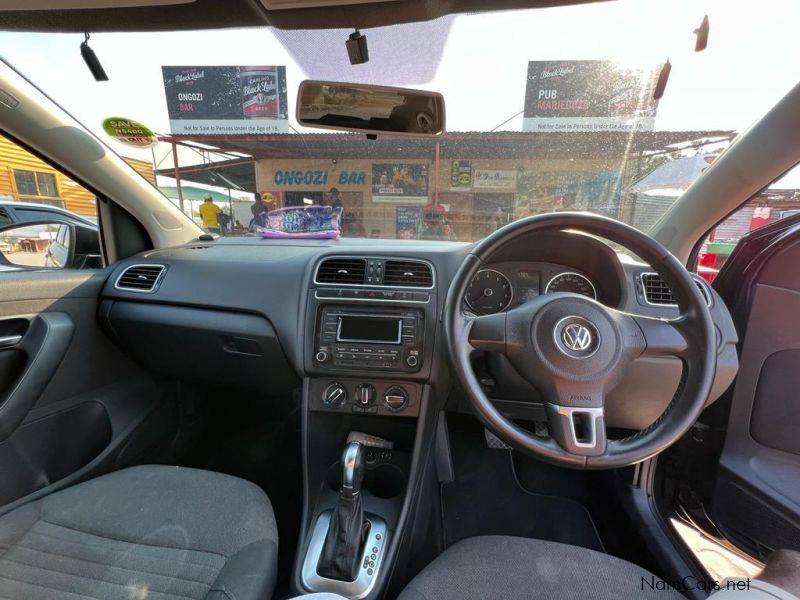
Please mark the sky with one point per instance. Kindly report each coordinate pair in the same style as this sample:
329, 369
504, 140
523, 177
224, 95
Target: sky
479, 62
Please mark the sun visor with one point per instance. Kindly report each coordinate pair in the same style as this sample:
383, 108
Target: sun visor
82, 4
289, 4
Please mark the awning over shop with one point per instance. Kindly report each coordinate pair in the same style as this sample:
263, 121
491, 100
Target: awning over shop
191, 193
458, 145
236, 174
676, 175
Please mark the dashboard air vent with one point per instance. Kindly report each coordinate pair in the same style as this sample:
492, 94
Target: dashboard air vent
656, 290
407, 274
342, 270
141, 278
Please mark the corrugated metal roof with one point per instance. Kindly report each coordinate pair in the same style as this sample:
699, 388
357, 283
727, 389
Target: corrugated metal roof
457, 144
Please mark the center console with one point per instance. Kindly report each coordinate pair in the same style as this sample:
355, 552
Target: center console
367, 362
355, 338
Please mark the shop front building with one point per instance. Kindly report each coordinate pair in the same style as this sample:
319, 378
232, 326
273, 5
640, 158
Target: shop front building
382, 198
462, 186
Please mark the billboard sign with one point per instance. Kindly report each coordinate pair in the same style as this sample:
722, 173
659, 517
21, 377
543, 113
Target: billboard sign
491, 179
226, 100
460, 175
399, 182
588, 95
407, 220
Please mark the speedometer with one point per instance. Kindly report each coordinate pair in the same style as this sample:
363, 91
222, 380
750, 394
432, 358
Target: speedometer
572, 282
488, 292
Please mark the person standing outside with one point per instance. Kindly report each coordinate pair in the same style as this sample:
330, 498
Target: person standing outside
264, 203
336, 198
258, 209
208, 214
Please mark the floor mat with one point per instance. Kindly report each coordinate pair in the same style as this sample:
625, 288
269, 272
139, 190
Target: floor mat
486, 499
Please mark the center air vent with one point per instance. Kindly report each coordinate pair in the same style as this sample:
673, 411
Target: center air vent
405, 273
141, 278
342, 270
657, 292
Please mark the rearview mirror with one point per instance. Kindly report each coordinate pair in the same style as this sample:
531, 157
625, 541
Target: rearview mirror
49, 245
370, 109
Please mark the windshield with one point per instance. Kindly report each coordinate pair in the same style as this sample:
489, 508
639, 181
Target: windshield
547, 110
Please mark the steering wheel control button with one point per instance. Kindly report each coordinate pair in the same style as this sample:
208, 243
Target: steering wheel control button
365, 395
334, 395
576, 337
395, 398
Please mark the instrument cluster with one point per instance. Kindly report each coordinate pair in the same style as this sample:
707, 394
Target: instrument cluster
505, 285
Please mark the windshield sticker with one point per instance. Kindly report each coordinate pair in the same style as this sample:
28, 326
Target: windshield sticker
8, 100
129, 132
588, 95
226, 100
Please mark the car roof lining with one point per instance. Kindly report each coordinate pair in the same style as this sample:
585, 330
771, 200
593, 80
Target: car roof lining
212, 14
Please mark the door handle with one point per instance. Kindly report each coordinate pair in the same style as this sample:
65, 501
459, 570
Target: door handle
9, 341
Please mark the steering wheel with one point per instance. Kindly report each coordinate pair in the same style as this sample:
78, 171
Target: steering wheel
575, 350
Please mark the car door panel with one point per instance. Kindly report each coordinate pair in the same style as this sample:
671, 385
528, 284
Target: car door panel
757, 492
43, 346
72, 406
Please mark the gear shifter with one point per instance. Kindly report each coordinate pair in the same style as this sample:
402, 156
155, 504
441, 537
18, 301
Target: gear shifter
348, 529
352, 469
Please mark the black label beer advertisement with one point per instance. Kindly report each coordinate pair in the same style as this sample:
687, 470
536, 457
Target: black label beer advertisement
226, 100
393, 182
588, 95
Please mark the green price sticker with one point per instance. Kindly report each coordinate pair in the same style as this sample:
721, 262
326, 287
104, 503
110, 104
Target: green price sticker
129, 132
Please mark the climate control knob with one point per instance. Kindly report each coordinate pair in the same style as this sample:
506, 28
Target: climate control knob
365, 394
395, 398
334, 395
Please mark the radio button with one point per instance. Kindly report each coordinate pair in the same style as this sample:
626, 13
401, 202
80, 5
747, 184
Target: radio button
322, 356
412, 361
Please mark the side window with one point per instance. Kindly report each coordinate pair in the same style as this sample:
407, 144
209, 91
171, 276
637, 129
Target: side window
781, 200
25, 214
26, 182
32, 190
46, 185
24, 178
35, 185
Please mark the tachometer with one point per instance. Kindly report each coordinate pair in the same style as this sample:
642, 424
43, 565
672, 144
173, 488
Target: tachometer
489, 292
572, 282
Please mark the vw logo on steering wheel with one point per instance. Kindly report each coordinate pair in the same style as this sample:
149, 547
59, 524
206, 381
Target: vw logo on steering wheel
576, 337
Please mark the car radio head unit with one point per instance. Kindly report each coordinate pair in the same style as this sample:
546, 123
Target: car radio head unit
369, 329
350, 337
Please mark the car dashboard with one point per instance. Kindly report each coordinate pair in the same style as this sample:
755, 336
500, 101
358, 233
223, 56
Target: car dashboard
358, 321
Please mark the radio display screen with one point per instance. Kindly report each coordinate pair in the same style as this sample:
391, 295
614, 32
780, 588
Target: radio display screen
370, 330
